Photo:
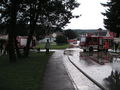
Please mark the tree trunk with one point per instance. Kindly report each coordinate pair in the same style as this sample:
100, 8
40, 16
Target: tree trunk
17, 49
27, 48
117, 35
33, 19
11, 33
11, 50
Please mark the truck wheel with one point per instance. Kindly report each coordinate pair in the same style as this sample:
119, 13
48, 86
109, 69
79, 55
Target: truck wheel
91, 49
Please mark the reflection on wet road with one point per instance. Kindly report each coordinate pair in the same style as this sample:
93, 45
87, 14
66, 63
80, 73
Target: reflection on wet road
99, 57
98, 65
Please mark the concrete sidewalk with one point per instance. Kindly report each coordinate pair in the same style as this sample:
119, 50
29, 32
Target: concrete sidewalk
56, 76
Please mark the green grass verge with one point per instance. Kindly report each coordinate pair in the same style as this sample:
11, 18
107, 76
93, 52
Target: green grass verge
63, 46
25, 74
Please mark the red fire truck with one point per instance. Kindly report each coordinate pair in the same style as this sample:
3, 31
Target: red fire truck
90, 43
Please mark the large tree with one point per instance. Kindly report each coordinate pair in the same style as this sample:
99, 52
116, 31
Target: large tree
34, 13
49, 13
70, 34
112, 20
8, 18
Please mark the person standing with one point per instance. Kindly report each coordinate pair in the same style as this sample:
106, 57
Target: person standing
47, 46
106, 46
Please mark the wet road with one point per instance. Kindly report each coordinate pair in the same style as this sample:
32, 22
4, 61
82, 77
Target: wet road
98, 65
99, 57
81, 82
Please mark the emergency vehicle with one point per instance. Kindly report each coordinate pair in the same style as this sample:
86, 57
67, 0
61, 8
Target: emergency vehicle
21, 40
90, 43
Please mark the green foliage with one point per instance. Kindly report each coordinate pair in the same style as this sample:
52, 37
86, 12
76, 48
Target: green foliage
70, 34
43, 13
61, 39
26, 74
112, 22
3, 29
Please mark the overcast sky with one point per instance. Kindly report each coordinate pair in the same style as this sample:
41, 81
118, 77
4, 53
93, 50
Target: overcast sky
91, 15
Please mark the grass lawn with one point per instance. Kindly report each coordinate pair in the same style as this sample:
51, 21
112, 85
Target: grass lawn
63, 46
25, 74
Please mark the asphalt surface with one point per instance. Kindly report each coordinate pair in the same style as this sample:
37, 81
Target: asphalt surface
61, 74
56, 76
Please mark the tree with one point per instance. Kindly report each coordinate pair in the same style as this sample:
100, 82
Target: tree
47, 13
61, 39
112, 21
55, 13
11, 29
3, 29
9, 6
70, 34
8, 17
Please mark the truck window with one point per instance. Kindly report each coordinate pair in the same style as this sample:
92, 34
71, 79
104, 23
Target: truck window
83, 39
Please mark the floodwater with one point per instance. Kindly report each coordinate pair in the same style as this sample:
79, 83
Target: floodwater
99, 57
98, 65
102, 67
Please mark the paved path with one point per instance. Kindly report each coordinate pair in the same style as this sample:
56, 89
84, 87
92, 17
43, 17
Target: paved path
56, 76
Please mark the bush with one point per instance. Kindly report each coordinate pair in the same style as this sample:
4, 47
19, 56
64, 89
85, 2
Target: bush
70, 34
61, 39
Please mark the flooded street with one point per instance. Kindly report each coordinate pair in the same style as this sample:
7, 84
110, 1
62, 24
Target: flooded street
97, 65
99, 57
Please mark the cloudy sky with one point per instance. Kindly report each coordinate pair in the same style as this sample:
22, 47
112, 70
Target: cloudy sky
91, 15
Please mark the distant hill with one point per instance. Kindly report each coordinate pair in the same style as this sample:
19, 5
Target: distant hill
84, 31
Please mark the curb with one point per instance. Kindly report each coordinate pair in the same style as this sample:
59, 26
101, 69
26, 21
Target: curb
95, 82
73, 82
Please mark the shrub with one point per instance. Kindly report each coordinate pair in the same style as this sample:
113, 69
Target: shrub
61, 39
